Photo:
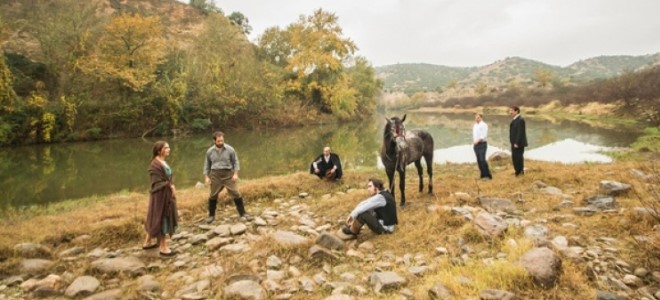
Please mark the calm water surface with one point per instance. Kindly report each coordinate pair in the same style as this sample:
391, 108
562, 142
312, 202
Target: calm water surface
49, 173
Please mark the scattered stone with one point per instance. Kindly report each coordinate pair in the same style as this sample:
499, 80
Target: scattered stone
418, 270
536, 232
543, 265
36, 266
148, 283
49, 286
613, 187
238, 229
641, 272
82, 286
463, 211
31, 250
632, 280
490, 224
385, 281
492, 294
217, 242
499, 156
462, 197
320, 253
439, 291
112, 294
494, 205
585, 211
222, 230
288, 238
235, 248
303, 195
72, 251
131, 265
601, 202
199, 238
330, 241
602, 295
551, 190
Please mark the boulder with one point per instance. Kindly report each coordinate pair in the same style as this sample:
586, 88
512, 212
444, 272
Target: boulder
543, 265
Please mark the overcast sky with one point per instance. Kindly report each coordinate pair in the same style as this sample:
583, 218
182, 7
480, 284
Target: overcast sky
474, 32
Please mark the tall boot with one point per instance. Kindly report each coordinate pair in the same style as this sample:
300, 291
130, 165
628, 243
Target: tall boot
239, 206
213, 204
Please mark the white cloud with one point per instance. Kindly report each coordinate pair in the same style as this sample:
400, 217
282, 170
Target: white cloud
475, 32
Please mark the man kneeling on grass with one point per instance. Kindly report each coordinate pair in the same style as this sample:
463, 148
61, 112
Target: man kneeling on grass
378, 212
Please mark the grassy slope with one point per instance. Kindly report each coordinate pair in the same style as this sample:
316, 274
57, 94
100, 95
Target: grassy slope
115, 222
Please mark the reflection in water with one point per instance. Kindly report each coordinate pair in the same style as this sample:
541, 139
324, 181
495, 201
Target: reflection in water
569, 151
43, 174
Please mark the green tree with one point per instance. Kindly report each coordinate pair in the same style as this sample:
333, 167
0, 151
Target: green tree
318, 58
275, 46
130, 50
241, 21
543, 76
65, 30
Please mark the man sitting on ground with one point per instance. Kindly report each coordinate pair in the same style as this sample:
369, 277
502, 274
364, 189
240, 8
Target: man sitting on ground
378, 212
327, 165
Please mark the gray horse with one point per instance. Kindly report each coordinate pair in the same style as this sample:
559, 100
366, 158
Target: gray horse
401, 148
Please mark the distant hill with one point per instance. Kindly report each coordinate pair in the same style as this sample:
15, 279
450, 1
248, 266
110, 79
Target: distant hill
510, 71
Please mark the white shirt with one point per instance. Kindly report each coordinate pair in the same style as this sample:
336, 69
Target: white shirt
480, 132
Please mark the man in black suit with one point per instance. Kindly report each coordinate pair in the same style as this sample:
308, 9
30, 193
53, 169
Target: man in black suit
518, 139
327, 165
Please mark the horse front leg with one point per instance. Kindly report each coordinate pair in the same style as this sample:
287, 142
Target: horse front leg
402, 187
420, 171
390, 177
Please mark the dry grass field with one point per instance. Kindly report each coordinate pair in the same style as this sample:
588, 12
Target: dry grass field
426, 224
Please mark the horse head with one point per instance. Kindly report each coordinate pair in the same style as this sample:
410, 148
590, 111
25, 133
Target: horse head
395, 128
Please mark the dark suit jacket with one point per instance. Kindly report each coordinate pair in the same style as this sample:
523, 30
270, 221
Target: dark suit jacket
323, 166
517, 132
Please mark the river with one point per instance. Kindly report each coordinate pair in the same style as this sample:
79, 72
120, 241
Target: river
42, 174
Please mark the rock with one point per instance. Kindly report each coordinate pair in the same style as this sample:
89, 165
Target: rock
72, 251
613, 187
49, 286
632, 280
222, 230
273, 262
217, 242
602, 295
330, 241
307, 284
131, 265
543, 265
303, 195
275, 275
559, 243
199, 238
418, 270
320, 253
260, 221
536, 232
211, 271
585, 211
148, 283
490, 224
551, 190
465, 212
439, 291
499, 156
14, 280
113, 294
492, 294
288, 238
31, 250
194, 288
235, 248
494, 205
601, 202
338, 297
82, 286
35, 266
238, 229
385, 281
641, 272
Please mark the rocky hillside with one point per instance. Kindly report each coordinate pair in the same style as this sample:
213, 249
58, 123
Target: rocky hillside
559, 232
507, 72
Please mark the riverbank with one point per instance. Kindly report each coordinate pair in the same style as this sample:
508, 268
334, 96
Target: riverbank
606, 247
